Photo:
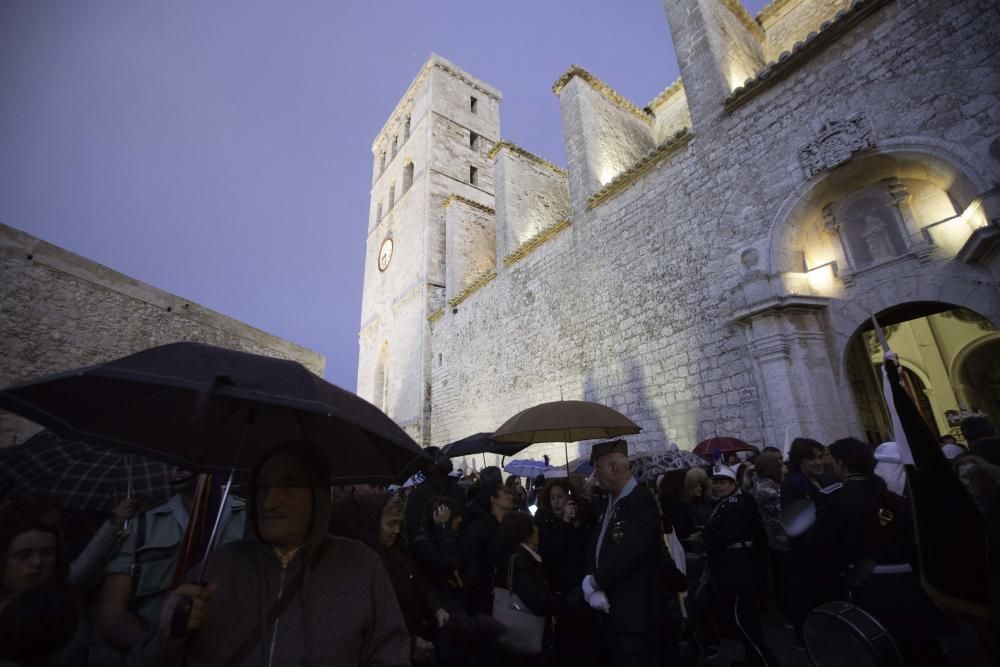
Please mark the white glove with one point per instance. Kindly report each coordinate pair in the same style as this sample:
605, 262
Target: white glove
599, 601
589, 586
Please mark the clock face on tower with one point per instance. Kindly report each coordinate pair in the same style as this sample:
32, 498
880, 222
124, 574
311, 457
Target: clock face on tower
385, 255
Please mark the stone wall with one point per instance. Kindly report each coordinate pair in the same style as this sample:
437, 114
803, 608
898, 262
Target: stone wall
471, 245
682, 299
786, 22
532, 196
60, 311
670, 111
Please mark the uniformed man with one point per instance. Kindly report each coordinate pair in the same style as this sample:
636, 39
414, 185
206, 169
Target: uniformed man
622, 559
738, 563
138, 577
847, 516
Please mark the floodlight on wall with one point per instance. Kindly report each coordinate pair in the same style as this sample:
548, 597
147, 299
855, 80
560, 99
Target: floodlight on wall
822, 278
952, 233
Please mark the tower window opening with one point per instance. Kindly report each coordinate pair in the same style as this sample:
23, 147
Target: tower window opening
407, 176
473, 103
406, 129
473, 175
392, 196
473, 140
395, 145
381, 163
378, 213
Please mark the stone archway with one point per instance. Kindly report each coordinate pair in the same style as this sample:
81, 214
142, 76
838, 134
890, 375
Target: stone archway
801, 310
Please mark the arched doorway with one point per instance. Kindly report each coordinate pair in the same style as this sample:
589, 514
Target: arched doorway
950, 357
979, 374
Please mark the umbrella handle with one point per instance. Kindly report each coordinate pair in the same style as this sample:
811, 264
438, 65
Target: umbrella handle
179, 619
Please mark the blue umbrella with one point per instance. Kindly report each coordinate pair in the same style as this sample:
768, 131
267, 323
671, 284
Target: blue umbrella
527, 468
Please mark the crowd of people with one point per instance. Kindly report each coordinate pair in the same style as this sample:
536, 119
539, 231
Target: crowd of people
610, 570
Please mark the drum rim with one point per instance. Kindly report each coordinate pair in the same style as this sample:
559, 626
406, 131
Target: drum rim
839, 615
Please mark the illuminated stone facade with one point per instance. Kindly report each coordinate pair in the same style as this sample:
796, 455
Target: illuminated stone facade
704, 264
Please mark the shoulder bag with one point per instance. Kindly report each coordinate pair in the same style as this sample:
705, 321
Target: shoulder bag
522, 630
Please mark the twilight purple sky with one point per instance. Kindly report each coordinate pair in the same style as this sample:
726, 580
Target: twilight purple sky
221, 150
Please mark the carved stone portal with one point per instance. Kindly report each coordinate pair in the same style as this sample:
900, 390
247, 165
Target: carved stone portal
835, 143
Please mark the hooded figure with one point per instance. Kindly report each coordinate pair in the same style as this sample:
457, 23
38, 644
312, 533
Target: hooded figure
291, 593
889, 467
381, 520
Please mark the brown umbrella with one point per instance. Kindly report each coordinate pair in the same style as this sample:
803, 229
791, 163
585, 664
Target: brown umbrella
565, 421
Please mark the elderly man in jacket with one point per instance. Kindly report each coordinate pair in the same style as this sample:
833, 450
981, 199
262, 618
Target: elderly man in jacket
622, 559
291, 594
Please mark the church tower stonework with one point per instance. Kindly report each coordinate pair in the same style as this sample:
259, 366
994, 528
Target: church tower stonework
430, 226
707, 263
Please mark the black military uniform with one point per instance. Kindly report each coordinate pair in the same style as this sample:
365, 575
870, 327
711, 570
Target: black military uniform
624, 566
846, 530
738, 563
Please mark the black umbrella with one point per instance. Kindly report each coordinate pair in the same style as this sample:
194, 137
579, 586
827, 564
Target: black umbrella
211, 409
481, 443
79, 475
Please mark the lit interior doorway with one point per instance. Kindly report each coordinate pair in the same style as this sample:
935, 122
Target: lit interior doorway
951, 366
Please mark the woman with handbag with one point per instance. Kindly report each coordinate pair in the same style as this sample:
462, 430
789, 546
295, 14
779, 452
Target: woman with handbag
523, 600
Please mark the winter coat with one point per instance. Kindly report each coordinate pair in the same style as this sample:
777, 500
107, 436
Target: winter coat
530, 582
415, 599
563, 548
481, 551
438, 554
345, 613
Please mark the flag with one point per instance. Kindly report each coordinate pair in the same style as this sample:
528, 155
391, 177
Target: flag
951, 534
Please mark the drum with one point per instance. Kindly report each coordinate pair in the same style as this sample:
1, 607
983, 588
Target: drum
840, 634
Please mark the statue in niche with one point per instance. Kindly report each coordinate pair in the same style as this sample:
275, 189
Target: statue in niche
871, 230
876, 236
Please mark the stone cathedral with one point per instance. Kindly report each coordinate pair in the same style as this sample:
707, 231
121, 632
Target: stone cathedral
706, 263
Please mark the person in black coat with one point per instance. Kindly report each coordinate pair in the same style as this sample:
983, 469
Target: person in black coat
847, 518
438, 482
623, 558
807, 585
563, 536
480, 547
982, 438
382, 519
523, 568
738, 563
438, 552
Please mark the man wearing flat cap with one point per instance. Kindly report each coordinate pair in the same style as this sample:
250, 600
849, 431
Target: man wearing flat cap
622, 559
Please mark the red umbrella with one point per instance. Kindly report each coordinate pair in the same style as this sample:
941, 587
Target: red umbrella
722, 445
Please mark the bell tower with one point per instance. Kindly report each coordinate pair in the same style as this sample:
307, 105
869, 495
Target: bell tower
432, 149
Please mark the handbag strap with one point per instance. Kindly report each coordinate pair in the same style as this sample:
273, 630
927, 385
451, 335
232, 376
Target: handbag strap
510, 573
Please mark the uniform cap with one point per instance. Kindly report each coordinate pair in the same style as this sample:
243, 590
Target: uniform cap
724, 472
609, 447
